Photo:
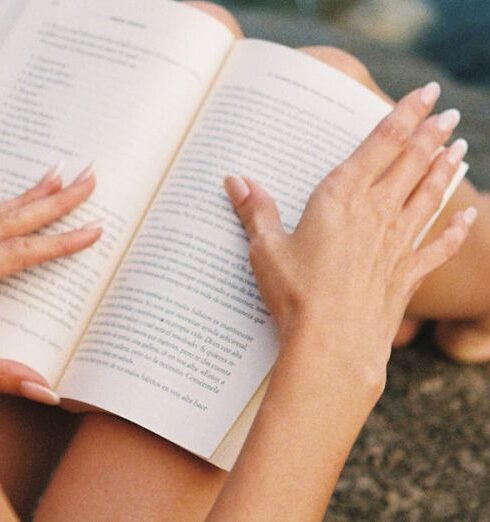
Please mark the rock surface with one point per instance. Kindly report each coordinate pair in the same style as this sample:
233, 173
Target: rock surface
424, 455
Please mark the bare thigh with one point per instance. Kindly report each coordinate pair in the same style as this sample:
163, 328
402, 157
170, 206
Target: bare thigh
32, 440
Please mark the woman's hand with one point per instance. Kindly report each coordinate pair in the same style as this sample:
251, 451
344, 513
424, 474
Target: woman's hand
19, 218
337, 288
349, 270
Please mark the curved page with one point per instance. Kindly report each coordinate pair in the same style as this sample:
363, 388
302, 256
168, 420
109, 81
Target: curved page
118, 82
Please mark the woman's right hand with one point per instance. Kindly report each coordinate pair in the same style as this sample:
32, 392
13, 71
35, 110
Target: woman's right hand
21, 248
337, 288
344, 278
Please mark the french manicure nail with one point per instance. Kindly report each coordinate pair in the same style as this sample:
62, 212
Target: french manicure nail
237, 189
95, 225
470, 215
457, 152
39, 393
53, 173
430, 93
449, 120
85, 175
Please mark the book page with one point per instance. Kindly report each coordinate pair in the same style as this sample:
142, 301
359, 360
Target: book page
182, 340
118, 82
10, 11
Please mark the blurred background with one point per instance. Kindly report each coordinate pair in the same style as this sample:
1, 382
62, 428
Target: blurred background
453, 33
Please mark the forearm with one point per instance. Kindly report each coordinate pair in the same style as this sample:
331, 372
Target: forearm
310, 418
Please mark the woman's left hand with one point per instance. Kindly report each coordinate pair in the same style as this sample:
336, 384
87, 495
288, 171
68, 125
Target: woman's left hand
20, 249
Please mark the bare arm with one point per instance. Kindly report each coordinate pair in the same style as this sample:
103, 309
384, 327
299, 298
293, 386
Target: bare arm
337, 288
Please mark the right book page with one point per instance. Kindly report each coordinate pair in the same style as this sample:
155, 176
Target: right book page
182, 340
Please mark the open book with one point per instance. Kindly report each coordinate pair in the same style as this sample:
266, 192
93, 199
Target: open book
161, 322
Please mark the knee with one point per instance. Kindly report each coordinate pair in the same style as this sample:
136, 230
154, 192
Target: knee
341, 60
220, 13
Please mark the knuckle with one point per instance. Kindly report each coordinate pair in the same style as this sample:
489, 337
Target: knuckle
336, 186
435, 187
329, 188
452, 244
255, 250
263, 246
259, 244
62, 246
419, 153
62, 204
249, 220
383, 212
17, 250
16, 245
395, 131
4, 231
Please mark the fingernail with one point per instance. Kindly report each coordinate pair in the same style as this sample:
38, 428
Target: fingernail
95, 225
430, 93
470, 215
39, 393
237, 189
457, 152
53, 173
85, 175
448, 120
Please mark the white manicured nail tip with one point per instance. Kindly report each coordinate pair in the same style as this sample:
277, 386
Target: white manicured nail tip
457, 151
39, 393
449, 120
470, 215
430, 93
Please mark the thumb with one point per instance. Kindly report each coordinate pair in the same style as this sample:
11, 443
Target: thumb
17, 379
256, 209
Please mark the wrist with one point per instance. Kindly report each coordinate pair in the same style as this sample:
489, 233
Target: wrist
324, 352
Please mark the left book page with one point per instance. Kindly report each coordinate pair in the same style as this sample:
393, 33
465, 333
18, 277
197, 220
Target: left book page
10, 10
118, 82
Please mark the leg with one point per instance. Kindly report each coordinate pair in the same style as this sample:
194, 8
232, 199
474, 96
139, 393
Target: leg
114, 470
6, 512
457, 295
32, 439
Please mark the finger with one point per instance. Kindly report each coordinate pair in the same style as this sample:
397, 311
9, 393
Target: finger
255, 208
38, 214
389, 139
17, 379
445, 247
428, 196
405, 174
19, 253
49, 184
